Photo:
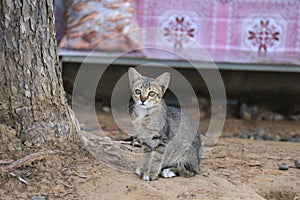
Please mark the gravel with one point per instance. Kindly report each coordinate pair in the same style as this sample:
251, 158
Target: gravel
38, 198
283, 166
297, 163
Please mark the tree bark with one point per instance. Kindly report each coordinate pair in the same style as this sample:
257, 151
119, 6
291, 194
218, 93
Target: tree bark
32, 99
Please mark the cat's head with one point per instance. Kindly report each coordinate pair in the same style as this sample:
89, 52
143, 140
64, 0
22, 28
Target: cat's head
146, 91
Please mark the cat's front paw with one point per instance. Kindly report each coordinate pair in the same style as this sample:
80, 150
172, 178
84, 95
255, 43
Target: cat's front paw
149, 177
167, 173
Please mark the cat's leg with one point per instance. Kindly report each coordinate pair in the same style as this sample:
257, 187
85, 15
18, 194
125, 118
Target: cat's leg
145, 161
180, 168
187, 165
155, 164
186, 173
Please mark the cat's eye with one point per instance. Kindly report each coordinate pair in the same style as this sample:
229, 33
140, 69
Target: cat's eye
137, 91
151, 94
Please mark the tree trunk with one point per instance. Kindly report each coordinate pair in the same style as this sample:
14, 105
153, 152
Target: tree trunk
32, 99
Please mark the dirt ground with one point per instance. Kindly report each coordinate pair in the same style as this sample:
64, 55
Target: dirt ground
234, 169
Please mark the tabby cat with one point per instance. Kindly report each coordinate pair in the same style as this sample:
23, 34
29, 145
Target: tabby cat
168, 136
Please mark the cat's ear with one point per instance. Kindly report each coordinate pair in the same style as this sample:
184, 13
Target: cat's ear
133, 76
163, 81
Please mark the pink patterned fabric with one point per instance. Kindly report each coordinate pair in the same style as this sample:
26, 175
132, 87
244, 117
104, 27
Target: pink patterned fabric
249, 26
177, 30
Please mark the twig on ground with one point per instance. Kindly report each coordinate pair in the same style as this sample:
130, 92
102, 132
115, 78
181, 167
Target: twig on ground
29, 158
65, 184
18, 177
5, 162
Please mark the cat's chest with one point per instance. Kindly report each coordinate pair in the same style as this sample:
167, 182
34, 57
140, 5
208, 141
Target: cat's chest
140, 116
141, 112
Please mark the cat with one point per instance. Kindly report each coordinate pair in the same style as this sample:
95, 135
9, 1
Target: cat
169, 137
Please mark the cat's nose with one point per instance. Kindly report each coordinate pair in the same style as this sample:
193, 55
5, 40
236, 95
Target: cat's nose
143, 99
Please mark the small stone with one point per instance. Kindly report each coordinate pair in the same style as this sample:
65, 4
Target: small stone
247, 112
273, 117
82, 175
295, 117
278, 117
259, 134
246, 116
27, 94
106, 109
283, 166
226, 136
258, 137
266, 137
130, 188
206, 174
244, 136
255, 164
38, 198
297, 163
296, 137
56, 194
277, 138
185, 194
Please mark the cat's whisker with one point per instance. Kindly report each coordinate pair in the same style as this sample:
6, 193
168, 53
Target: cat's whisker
131, 106
126, 107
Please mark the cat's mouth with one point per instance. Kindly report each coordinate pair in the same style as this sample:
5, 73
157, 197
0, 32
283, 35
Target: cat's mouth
143, 103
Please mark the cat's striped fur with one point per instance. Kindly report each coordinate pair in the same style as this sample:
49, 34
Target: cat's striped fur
169, 137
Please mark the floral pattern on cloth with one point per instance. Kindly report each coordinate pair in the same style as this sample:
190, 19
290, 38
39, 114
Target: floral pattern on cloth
178, 29
237, 25
264, 35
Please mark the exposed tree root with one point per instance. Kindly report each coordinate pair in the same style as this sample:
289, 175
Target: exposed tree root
29, 159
